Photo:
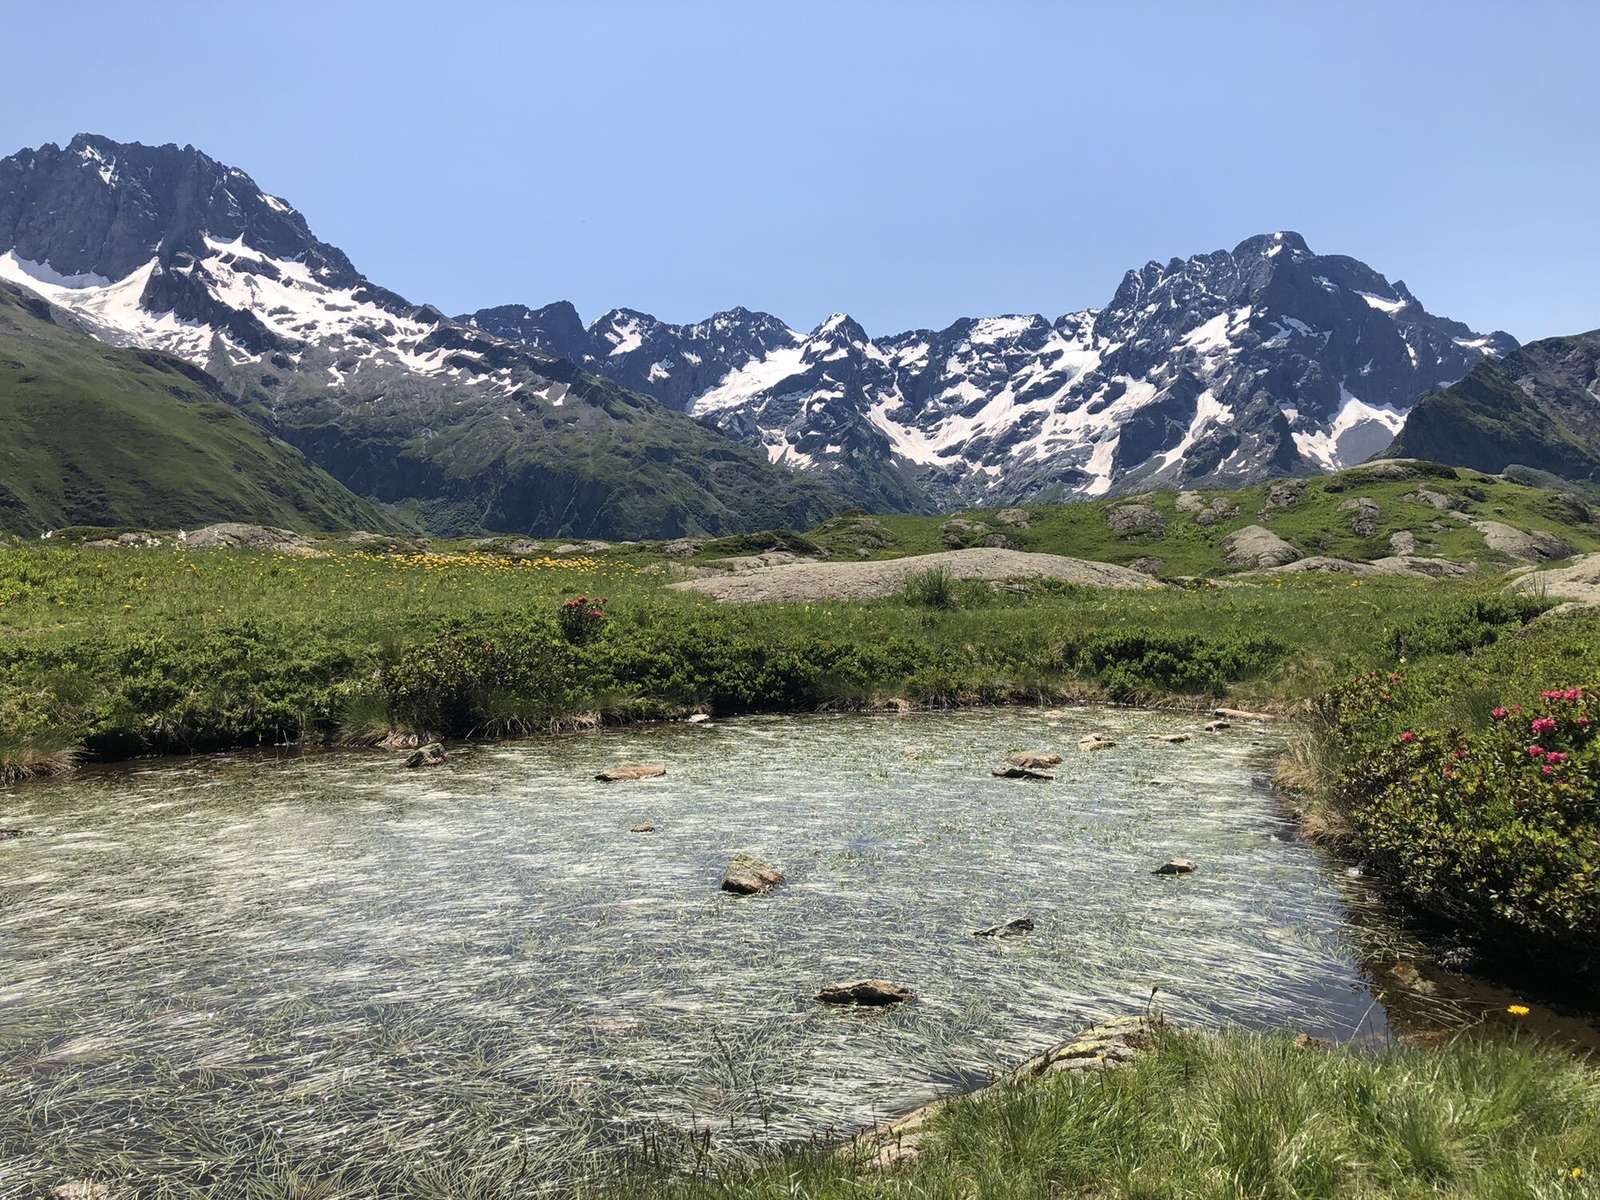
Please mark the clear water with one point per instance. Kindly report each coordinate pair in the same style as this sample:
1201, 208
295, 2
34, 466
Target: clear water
221, 971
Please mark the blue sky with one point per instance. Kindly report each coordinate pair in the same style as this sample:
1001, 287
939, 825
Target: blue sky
907, 163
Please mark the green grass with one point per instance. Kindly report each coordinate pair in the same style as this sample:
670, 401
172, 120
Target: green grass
128, 651
1313, 525
97, 434
1230, 1117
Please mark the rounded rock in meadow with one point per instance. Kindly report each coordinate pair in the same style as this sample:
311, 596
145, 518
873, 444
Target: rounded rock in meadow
868, 993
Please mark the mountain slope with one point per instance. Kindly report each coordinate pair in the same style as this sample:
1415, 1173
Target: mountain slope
163, 247
1538, 406
1222, 368
91, 434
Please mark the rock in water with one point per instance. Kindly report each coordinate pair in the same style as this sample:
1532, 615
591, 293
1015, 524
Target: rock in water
632, 771
1033, 758
7, 834
699, 718
1172, 739
1217, 726
749, 876
1176, 866
872, 993
642, 827
1096, 741
1008, 929
430, 755
1012, 771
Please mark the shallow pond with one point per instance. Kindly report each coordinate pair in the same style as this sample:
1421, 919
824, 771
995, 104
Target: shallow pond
221, 971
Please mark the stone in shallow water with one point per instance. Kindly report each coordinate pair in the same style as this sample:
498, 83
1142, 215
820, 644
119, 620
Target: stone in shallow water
7, 834
1176, 866
631, 771
1096, 741
1172, 739
749, 876
699, 718
642, 827
1033, 758
1012, 771
870, 993
430, 755
1007, 929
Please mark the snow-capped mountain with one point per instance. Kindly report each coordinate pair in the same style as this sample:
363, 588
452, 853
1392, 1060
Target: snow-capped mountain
1225, 367
163, 247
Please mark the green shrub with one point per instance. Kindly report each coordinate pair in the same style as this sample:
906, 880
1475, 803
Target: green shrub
1129, 664
1460, 628
933, 588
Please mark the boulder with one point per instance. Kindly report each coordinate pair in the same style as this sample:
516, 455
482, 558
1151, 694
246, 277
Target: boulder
1284, 493
1364, 515
231, 535
1136, 519
1217, 511
631, 771
1433, 499
1096, 741
682, 547
1015, 518
125, 541
1190, 502
642, 827
1007, 929
958, 532
1257, 546
430, 755
1217, 726
584, 547
699, 718
871, 993
1176, 866
1148, 565
1033, 758
1578, 583
7, 835
1403, 543
1521, 544
1172, 739
1012, 771
749, 876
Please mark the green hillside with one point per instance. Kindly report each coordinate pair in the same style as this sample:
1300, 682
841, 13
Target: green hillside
95, 435
1437, 506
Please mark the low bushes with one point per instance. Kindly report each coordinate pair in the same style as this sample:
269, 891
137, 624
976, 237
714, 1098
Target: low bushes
1471, 783
1137, 662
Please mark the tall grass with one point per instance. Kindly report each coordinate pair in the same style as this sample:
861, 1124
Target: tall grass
1231, 1117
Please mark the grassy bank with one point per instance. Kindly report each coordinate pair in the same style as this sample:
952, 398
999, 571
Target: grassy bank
1234, 1117
121, 653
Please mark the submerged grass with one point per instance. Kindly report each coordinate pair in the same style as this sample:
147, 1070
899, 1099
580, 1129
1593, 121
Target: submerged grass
1232, 1117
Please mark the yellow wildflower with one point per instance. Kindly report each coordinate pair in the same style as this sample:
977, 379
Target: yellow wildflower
1517, 1010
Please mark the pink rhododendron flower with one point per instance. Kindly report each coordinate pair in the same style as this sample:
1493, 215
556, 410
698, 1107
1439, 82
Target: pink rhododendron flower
1556, 756
1536, 751
1549, 770
1408, 736
1544, 725
1500, 714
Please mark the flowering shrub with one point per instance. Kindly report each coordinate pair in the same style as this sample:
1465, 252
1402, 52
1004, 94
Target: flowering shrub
581, 618
1498, 830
